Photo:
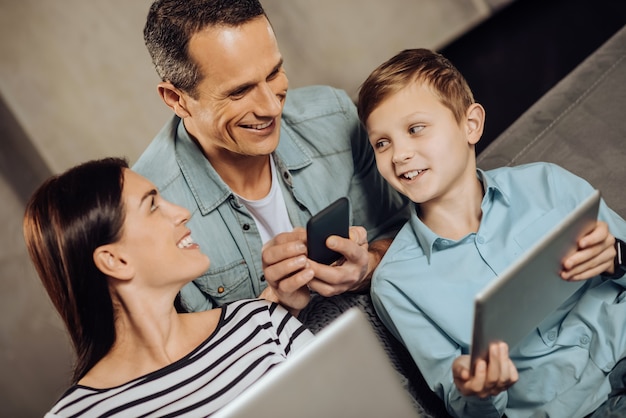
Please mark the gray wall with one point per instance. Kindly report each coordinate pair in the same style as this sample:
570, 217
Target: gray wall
76, 83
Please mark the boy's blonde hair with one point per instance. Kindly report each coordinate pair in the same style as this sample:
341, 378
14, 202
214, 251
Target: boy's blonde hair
416, 65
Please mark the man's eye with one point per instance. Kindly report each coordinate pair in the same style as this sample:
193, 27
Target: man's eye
239, 93
274, 74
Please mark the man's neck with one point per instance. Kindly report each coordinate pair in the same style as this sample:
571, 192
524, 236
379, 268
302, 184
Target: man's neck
247, 176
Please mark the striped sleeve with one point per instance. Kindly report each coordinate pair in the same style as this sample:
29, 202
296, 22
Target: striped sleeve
292, 334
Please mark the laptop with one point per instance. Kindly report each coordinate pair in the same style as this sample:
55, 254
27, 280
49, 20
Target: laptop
343, 372
514, 304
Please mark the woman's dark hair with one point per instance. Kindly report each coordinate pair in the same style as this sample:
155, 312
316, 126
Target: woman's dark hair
171, 24
66, 219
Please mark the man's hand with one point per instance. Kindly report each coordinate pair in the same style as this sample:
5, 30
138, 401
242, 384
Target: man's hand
349, 273
490, 377
291, 275
287, 269
594, 255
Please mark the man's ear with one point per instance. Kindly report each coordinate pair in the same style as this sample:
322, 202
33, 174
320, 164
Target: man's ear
112, 263
173, 98
475, 122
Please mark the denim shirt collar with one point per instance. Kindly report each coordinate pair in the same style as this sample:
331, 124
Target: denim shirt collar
206, 185
427, 238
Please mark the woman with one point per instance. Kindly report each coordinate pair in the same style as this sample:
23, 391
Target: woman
113, 255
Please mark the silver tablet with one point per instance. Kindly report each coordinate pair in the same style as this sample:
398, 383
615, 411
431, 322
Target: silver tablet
344, 372
511, 306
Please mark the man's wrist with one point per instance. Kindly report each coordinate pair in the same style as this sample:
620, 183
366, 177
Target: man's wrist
376, 250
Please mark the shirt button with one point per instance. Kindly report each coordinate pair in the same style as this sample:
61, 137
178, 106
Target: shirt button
246, 227
480, 240
552, 335
286, 175
262, 277
220, 289
445, 242
584, 340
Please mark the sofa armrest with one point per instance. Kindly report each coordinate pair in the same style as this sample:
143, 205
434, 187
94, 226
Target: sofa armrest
580, 124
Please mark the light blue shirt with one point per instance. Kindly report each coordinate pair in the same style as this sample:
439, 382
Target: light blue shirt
323, 154
425, 285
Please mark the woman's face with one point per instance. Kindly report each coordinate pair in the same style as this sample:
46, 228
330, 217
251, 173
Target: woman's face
154, 237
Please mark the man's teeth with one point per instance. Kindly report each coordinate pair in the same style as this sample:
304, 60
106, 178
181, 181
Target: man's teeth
412, 174
262, 126
185, 242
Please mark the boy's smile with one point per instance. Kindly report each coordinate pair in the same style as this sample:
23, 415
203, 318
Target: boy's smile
420, 148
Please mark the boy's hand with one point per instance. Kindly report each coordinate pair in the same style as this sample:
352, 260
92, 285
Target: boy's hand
490, 377
594, 255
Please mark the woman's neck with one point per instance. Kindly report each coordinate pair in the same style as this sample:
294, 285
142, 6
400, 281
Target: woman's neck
149, 335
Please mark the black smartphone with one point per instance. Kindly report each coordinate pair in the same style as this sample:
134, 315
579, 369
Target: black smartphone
332, 220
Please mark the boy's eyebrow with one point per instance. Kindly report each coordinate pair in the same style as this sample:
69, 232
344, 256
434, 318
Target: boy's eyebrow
245, 86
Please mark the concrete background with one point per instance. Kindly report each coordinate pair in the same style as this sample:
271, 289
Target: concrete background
76, 83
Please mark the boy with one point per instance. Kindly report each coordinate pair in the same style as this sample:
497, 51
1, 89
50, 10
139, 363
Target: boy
466, 227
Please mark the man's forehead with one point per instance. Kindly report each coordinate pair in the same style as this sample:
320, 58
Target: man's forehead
233, 55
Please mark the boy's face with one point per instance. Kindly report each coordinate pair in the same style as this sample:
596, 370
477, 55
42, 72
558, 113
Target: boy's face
420, 148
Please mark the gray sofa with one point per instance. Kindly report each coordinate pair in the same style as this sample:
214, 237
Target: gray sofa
579, 124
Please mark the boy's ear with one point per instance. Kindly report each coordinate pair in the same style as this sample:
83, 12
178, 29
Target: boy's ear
111, 262
173, 98
475, 122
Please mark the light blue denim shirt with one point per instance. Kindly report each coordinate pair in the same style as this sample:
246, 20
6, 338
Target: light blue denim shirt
425, 285
323, 154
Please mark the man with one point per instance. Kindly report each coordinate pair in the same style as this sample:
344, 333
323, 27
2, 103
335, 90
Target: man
254, 163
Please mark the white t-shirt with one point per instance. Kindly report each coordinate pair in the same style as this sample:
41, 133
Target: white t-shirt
270, 213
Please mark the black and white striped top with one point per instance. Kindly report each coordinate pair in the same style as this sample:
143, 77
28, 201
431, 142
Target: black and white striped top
252, 336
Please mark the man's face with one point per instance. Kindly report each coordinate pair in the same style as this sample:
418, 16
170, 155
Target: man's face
240, 99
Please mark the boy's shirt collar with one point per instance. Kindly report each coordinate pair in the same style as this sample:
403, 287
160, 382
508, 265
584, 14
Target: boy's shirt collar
429, 241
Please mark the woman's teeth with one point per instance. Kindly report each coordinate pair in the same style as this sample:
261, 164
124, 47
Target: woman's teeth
185, 242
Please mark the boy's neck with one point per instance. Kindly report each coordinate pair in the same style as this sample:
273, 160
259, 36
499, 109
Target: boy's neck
454, 218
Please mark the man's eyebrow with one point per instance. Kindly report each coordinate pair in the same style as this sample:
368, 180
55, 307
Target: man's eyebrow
277, 67
241, 87
146, 195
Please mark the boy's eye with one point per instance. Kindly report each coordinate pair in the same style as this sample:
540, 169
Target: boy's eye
415, 129
381, 143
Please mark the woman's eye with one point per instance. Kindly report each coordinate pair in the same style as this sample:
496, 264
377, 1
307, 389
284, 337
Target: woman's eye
153, 205
415, 129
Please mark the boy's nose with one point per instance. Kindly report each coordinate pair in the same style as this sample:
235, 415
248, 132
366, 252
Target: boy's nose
402, 156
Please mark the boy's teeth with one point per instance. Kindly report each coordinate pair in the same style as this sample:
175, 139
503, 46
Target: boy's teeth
185, 242
411, 174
